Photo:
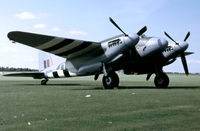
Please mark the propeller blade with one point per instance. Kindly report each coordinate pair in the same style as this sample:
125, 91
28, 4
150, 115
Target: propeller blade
140, 32
113, 22
184, 64
186, 37
170, 37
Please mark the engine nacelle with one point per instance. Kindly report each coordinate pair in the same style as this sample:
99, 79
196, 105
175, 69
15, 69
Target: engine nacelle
118, 45
151, 46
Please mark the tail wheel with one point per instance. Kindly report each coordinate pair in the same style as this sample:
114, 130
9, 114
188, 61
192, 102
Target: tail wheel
110, 81
161, 81
44, 82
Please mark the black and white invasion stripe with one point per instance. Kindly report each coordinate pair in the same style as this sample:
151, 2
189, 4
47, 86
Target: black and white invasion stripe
58, 74
67, 47
64, 47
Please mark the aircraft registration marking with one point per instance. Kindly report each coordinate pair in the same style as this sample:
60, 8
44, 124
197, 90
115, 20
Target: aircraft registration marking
114, 43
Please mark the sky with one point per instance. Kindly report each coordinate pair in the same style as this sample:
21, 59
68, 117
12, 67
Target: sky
88, 20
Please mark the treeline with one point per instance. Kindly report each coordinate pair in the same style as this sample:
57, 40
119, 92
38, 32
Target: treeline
181, 73
12, 69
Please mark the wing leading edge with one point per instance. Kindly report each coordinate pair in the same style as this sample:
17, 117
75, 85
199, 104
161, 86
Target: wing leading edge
64, 47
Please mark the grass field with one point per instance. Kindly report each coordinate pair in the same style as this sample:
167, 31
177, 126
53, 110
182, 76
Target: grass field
135, 105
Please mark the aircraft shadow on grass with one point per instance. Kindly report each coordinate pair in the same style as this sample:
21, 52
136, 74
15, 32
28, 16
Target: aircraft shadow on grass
152, 87
95, 87
140, 87
52, 85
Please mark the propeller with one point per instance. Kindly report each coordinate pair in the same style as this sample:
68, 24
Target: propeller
183, 59
140, 32
186, 37
113, 22
171, 38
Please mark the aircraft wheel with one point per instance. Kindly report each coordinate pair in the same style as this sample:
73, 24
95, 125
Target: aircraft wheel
44, 82
161, 81
110, 81
116, 80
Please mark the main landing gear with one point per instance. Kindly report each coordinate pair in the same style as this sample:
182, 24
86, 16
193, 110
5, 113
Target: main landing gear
110, 81
44, 82
161, 80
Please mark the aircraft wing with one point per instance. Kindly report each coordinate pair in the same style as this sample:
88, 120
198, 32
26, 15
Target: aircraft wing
64, 47
35, 75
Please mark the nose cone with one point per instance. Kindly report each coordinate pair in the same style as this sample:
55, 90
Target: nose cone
162, 43
134, 38
183, 45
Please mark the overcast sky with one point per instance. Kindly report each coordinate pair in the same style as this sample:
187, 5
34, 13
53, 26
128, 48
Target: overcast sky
88, 20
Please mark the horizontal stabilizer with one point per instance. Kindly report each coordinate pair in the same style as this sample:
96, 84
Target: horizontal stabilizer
35, 75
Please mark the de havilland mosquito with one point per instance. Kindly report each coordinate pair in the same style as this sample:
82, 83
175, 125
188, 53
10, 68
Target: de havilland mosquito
131, 53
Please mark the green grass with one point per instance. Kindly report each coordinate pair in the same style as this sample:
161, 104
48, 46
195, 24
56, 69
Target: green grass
136, 105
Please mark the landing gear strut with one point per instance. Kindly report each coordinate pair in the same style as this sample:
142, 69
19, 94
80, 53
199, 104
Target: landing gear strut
110, 81
161, 80
44, 82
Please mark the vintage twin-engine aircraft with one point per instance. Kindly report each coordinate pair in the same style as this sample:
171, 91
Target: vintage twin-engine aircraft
128, 52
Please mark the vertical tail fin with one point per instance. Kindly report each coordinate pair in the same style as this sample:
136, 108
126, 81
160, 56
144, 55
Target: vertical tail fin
45, 60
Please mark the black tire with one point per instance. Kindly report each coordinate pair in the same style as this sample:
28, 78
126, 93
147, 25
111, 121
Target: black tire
116, 80
43, 82
110, 81
161, 81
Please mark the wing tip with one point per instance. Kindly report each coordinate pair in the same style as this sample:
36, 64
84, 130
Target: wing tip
11, 34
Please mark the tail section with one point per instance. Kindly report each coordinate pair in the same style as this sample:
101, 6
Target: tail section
45, 60
57, 69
